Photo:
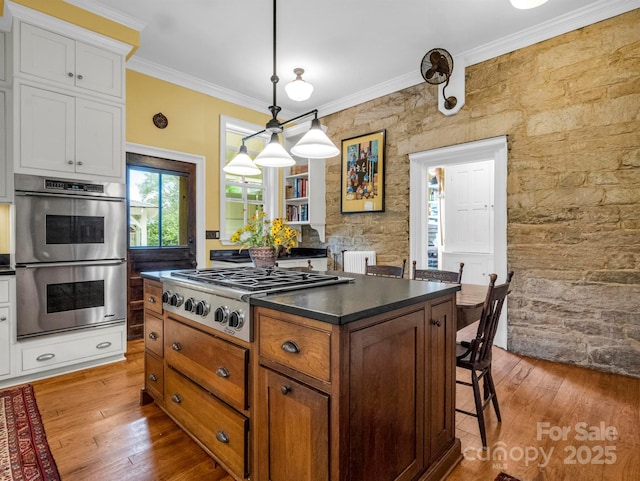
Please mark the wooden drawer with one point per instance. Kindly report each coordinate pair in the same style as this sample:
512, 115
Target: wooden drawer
303, 348
153, 296
4, 290
154, 371
218, 366
153, 334
219, 428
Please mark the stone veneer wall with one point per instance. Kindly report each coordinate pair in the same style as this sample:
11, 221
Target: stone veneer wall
571, 108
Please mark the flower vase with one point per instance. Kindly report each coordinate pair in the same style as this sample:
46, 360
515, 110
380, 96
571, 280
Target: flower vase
263, 256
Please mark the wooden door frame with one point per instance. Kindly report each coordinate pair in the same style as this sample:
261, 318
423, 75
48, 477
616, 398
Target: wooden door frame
199, 162
493, 148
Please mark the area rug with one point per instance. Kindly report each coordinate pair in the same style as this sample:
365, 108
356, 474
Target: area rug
24, 452
505, 477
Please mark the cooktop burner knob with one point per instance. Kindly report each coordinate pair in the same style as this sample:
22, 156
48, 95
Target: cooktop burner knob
202, 308
190, 305
166, 295
221, 315
236, 320
176, 300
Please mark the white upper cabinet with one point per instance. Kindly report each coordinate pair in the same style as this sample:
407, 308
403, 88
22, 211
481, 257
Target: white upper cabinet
4, 167
3, 60
48, 56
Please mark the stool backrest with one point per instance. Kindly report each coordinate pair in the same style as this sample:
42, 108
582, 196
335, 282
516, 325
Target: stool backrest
437, 275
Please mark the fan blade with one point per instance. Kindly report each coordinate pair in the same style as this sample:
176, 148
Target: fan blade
430, 73
443, 65
435, 57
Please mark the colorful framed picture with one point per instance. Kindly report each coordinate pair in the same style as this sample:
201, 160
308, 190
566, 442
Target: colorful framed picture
362, 174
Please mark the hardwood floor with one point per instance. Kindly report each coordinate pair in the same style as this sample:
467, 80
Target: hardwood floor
98, 430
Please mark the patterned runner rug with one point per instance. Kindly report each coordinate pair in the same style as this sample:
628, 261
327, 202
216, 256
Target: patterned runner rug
24, 452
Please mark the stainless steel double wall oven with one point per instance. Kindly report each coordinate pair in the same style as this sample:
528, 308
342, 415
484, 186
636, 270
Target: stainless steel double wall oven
70, 254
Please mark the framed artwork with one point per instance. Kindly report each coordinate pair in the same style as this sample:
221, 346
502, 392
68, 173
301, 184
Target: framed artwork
362, 174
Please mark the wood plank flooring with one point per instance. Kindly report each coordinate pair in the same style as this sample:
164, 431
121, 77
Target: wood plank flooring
97, 429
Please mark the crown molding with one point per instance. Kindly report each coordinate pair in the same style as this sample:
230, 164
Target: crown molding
68, 29
109, 13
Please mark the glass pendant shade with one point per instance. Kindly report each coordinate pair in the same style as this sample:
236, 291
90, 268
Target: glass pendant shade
526, 4
274, 155
315, 144
242, 164
298, 90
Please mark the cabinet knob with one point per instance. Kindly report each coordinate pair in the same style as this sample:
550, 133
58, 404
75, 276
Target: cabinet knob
153, 377
80, 77
79, 162
176, 346
3, 318
436, 322
222, 437
176, 398
70, 162
151, 300
285, 389
222, 372
290, 347
70, 74
153, 336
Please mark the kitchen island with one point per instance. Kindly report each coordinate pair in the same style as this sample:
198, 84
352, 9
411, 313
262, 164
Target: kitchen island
353, 381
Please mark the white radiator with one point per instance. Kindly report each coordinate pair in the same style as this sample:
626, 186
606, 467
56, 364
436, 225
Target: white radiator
353, 261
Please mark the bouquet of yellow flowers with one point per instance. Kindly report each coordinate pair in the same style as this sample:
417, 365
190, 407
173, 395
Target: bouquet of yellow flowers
261, 232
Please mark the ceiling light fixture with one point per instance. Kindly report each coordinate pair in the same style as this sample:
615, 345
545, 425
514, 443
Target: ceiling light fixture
298, 89
526, 4
313, 145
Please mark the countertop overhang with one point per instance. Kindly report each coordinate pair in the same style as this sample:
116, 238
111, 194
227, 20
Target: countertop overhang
242, 255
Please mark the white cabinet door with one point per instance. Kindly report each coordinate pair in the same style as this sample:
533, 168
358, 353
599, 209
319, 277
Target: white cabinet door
5, 342
4, 172
46, 130
47, 55
98, 138
98, 70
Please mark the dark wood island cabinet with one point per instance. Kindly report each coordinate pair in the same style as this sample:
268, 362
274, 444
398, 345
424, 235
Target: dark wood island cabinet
347, 382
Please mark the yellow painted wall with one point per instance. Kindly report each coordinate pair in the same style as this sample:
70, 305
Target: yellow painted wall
194, 127
4, 228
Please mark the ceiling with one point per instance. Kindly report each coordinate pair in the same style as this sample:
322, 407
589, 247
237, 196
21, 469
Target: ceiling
351, 50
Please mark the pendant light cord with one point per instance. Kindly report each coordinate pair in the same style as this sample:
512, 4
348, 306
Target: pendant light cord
275, 110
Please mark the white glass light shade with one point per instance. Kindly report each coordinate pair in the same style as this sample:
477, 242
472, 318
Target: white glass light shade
298, 90
315, 144
242, 164
274, 155
525, 4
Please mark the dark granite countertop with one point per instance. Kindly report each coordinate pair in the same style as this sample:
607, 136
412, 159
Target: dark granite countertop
242, 255
364, 297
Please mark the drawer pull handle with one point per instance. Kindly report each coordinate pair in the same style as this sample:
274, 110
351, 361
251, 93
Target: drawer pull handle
222, 437
436, 322
153, 377
103, 345
3, 318
153, 335
176, 398
45, 357
176, 346
290, 347
284, 389
222, 372
151, 300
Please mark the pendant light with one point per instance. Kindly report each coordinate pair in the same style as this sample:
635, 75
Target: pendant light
242, 164
298, 89
526, 4
313, 145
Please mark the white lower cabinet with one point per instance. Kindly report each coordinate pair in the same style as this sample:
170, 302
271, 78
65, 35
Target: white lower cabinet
72, 348
5, 342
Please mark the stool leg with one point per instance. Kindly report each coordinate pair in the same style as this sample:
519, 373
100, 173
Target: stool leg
494, 398
479, 411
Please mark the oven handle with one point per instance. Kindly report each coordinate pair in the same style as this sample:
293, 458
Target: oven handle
107, 262
70, 196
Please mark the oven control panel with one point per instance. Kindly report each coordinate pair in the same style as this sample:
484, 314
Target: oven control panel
227, 315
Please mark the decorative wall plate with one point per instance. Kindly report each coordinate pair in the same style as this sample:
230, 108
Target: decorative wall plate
160, 120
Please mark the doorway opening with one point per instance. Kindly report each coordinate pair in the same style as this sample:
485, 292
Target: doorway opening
469, 219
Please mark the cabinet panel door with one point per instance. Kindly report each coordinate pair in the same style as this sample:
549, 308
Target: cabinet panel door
386, 399
440, 372
294, 436
99, 138
46, 130
47, 55
5, 342
4, 171
98, 70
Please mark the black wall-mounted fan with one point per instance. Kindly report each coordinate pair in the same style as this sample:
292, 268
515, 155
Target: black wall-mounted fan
436, 68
